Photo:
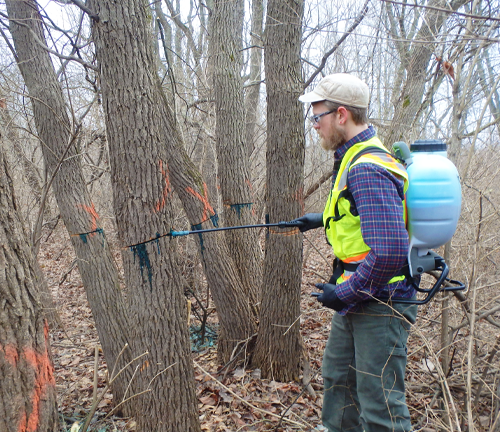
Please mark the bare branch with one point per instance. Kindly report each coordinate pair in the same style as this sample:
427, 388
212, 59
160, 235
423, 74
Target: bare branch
317, 184
83, 7
45, 47
175, 17
357, 21
448, 11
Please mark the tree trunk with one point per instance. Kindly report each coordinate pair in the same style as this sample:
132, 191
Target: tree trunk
279, 348
237, 312
28, 389
142, 201
253, 89
233, 162
95, 262
30, 171
31, 174
236, 316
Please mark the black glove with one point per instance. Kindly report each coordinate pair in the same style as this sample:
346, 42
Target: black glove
329, 297
309, 221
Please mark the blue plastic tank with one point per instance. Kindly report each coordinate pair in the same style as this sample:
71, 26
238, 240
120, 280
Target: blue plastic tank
434, 197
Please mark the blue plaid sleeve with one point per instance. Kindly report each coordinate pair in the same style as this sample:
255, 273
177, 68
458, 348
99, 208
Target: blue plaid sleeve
378, 196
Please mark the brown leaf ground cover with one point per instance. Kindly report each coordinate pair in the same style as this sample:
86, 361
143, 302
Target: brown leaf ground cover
229, 399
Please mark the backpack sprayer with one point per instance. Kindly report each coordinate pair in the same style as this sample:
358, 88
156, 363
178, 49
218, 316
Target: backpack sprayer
433, 203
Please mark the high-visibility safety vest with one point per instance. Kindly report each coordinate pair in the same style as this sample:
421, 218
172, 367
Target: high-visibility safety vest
340, 217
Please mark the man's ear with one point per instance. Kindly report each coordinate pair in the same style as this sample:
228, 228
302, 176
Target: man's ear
343, 115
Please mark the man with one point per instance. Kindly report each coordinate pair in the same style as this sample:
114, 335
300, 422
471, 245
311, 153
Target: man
364, 220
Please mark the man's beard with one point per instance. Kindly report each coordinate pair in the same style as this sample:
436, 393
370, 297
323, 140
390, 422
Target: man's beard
334, 141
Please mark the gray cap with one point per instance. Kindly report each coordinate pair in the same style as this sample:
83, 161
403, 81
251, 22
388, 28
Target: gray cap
341, 88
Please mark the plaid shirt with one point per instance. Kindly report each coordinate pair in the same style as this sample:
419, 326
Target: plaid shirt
378, 195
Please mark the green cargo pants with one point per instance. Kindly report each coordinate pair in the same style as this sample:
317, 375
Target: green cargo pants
364, 368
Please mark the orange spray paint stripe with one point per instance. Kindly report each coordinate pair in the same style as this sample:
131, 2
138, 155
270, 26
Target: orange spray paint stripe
167, 188
204, 199
294, 231
93, 214
44, 377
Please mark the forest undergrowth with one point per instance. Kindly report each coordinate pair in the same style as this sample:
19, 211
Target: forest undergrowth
237, 399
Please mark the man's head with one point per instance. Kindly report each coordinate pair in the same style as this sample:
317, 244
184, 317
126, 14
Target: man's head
339, 104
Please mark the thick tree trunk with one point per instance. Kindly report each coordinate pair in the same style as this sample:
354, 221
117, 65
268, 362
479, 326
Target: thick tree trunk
28, 388
95, 262
142, 201
233, 161
279, 348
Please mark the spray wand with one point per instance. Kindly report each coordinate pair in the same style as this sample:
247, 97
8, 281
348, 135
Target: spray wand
289, 224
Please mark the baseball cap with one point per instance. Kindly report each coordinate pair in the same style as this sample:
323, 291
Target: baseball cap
341, 88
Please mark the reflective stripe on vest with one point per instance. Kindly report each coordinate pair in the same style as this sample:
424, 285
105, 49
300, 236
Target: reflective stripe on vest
342, 227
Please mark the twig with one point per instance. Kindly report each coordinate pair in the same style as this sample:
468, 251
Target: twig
96, 400
46, 48
125, 401
330, 263
96, 365
315, 186
235, 356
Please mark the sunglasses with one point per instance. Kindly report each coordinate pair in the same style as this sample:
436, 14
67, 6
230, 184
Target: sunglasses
316, 118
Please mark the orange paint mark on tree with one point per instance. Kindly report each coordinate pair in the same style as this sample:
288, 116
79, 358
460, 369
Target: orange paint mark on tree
204, 199
292, 232
44, 377
249, 184
11, 354
93, 214
299, 197
167, 188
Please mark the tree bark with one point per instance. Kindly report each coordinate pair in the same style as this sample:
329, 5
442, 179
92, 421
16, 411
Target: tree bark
279, 348
233, 161
28, 389
142, 191
56, 132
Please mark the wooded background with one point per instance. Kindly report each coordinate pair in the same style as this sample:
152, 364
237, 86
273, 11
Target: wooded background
128, 120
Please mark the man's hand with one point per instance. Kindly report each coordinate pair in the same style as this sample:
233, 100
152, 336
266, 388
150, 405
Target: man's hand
309, 221
329, 297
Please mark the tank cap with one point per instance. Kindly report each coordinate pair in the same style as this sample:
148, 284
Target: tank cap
433, 145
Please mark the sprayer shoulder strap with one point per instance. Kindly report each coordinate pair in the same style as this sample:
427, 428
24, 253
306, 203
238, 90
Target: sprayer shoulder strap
368, 150
345, 192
